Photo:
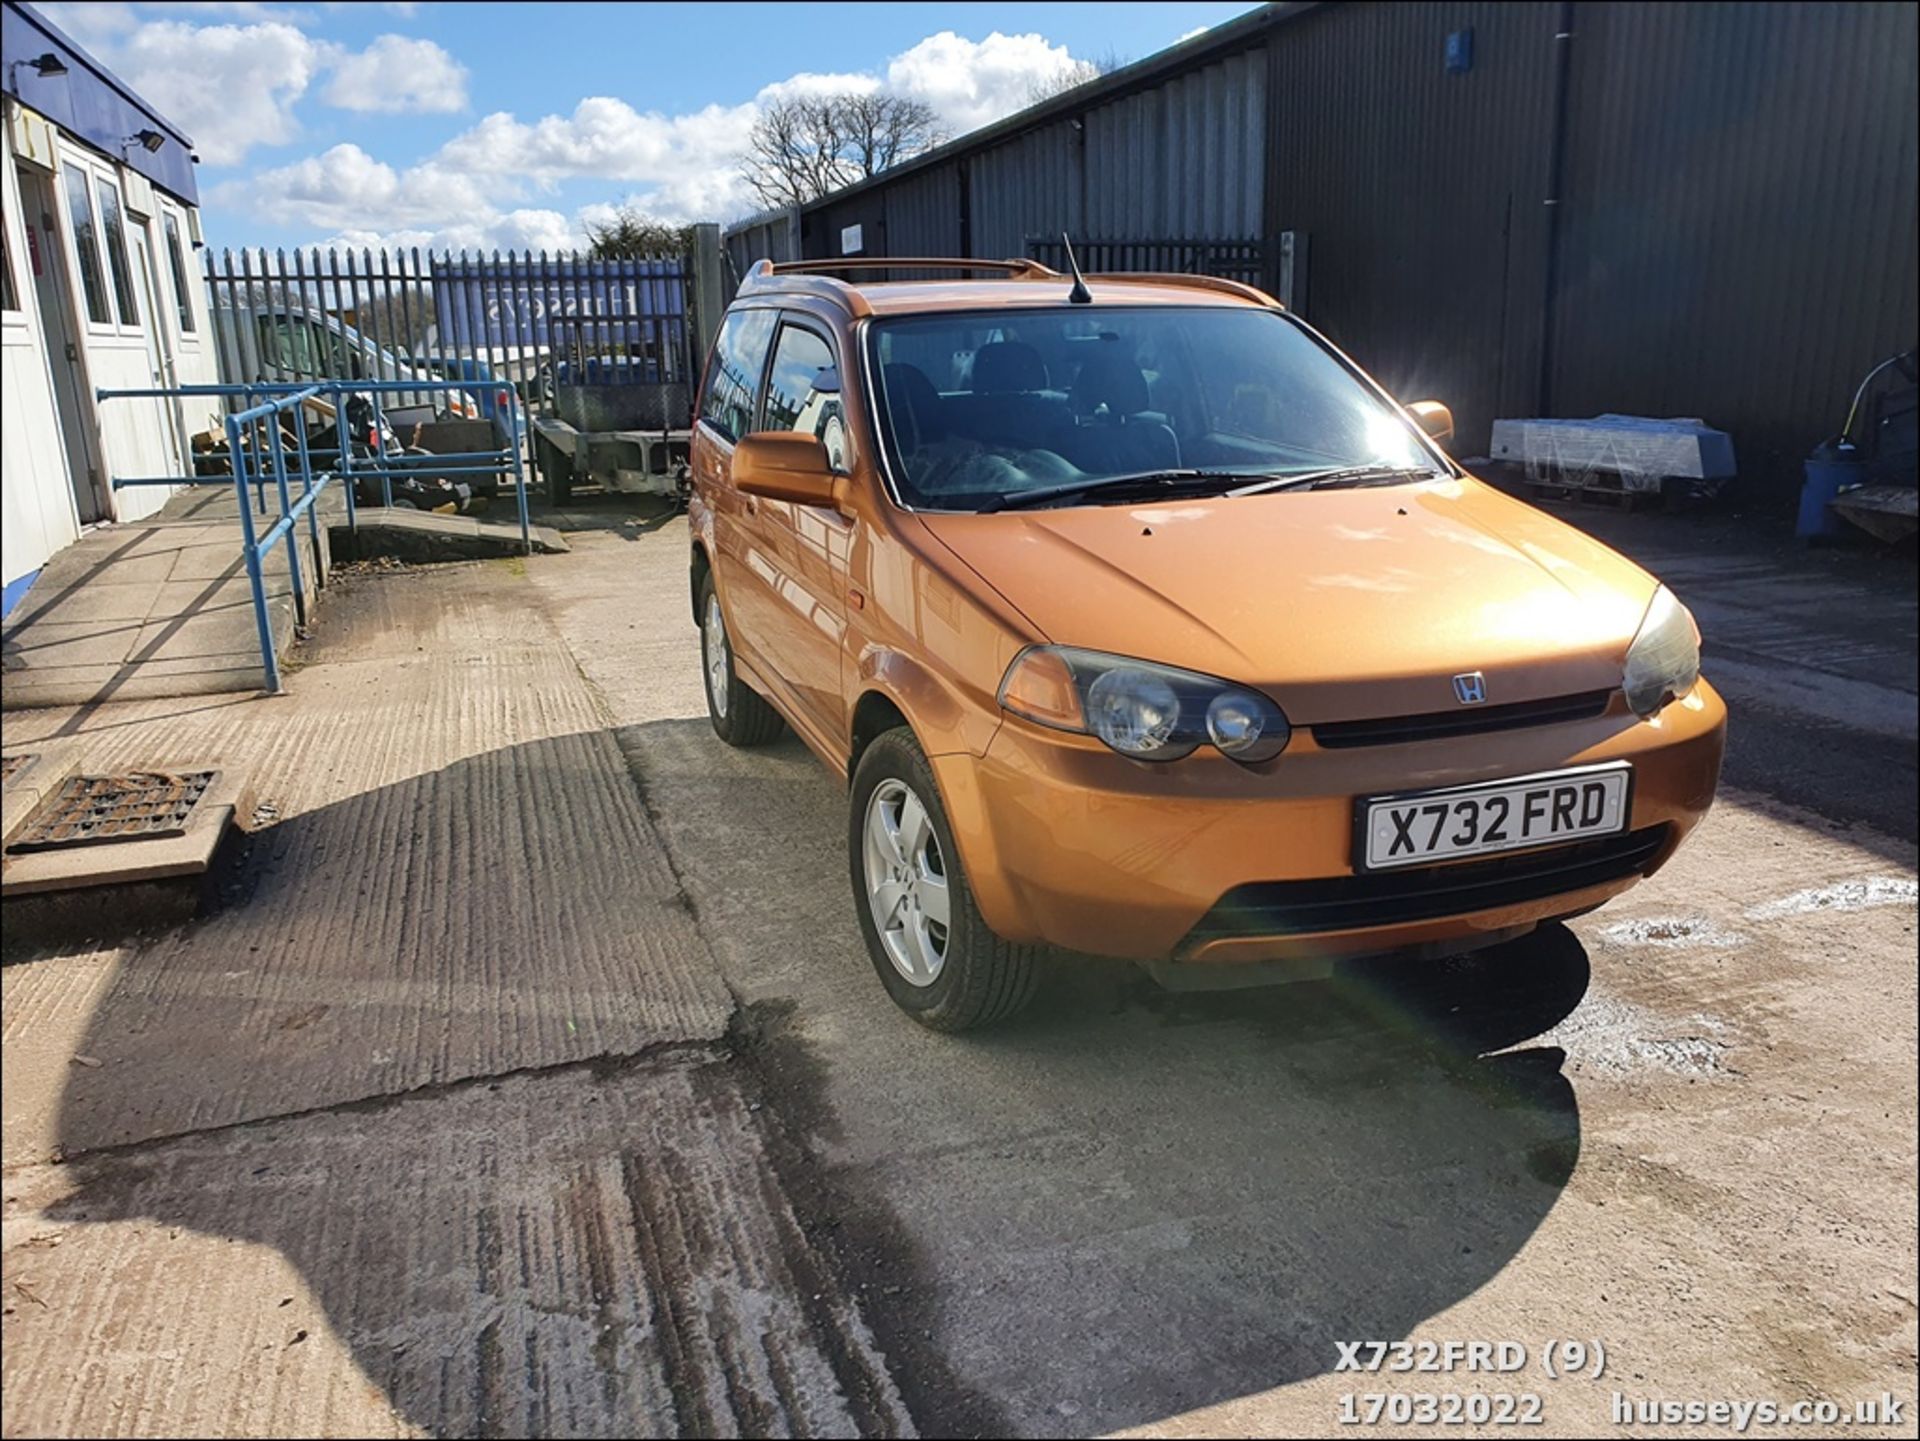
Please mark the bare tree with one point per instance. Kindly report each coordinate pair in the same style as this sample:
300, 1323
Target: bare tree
807, 145
879, 131
1077, 73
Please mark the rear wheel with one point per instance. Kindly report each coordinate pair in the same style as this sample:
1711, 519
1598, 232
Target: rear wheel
740, 715
928, 941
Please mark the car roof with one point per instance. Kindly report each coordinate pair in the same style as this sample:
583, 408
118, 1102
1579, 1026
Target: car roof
1017, 285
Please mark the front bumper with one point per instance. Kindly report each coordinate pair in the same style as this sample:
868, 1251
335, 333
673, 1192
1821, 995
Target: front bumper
1066, 843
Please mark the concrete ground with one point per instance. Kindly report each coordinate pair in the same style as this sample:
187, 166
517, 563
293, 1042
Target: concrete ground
530, 1076
163, 606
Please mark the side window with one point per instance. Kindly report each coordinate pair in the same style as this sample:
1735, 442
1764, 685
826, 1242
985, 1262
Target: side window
733, 377
177, 263
307, 347
273, 343
795, 400
113, 226
86, 244
288, 345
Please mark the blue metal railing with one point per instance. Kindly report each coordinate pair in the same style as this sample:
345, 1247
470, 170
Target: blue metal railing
256, 442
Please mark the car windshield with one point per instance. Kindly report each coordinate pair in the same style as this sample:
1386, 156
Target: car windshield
979, 409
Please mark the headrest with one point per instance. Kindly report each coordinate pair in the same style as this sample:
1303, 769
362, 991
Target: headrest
908, 388
1110, 378
1008, 365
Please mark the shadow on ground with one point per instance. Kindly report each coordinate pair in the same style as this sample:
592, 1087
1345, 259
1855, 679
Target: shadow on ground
631, 517
1126, 1205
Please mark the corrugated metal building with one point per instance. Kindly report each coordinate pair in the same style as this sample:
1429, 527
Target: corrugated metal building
1733, 233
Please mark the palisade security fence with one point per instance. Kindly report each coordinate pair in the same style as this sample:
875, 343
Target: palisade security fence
1242, 260
517, 326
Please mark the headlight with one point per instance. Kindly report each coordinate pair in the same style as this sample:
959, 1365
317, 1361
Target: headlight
1663, 663
1147, 711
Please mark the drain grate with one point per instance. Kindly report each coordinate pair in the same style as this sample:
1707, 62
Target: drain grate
133, 806
10, 766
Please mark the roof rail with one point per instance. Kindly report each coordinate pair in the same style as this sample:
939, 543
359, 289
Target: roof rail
815, 277
1179, 277
1023, 269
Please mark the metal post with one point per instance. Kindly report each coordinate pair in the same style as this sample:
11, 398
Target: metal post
520, 493
345, 444
250, 551
1556, 181
708, 296
306, 489
377, 443
293, 531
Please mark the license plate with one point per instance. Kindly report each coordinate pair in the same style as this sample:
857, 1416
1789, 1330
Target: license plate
1419, 827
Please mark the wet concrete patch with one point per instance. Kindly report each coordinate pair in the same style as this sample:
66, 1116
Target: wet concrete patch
1610, 1036
1856, 895
1670, 933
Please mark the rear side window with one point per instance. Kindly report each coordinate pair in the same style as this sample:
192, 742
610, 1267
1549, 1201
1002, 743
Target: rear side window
733, 377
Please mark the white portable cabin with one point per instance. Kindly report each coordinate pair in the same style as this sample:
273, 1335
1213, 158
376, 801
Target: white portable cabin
100, 288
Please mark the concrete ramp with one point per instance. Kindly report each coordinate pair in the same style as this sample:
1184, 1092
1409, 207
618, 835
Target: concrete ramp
157, 608
425, 536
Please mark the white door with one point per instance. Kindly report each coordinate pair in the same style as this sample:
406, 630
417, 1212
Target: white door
160, 345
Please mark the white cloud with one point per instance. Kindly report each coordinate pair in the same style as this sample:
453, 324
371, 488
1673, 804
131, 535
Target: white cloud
229, 87
688, 164
473, 190
973, 83
523, 231
346, 188
396, 75
232, 87
808, 83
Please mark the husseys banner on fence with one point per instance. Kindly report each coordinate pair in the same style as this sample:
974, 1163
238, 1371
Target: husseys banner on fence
508, 304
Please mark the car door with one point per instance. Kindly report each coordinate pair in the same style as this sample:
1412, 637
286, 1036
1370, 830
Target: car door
729, 409
806, 545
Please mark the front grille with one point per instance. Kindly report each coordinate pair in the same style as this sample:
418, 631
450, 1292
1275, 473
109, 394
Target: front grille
1383, 898
1475, 720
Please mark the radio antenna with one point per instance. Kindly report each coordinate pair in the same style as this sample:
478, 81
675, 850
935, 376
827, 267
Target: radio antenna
1079, 295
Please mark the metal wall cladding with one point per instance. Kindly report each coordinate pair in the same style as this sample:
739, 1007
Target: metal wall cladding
1737, 225
772, 235
1030, 186
923, 213
1185, 160
1420, 194
1741, 217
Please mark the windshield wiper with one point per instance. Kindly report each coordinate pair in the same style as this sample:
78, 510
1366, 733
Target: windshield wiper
1169, 479
1341, 475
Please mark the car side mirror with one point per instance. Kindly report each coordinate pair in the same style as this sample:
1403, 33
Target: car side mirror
1434, 418
784, 465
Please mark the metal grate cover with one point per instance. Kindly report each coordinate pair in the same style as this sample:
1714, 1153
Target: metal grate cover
132, 806
10, 766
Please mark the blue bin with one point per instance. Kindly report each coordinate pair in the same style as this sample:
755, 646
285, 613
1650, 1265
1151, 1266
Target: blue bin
1830, 470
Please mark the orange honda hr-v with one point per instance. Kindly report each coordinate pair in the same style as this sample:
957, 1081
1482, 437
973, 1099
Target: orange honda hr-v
1142, 623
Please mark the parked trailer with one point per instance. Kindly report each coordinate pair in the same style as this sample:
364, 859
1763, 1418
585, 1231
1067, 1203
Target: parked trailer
624, 416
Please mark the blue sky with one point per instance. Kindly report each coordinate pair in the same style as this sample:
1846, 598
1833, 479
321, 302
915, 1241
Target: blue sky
498, 125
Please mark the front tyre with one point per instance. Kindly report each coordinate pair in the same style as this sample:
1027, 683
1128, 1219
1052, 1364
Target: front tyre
740, 715
929, 943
